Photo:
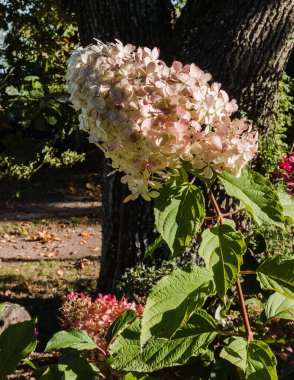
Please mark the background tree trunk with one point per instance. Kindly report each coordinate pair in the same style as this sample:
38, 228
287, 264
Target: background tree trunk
245, 44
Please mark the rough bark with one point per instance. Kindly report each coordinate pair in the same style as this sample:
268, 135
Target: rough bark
245, 44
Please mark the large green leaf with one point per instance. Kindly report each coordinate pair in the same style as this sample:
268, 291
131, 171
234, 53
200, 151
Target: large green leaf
190, 340
77, 339
222, 249
173, 299
179, 213
287, 202
279, 306
255, 359
257, 195
16, 343
277, 273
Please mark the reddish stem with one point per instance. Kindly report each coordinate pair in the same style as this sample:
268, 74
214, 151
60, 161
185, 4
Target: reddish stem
245, 318
247, 272
244, 312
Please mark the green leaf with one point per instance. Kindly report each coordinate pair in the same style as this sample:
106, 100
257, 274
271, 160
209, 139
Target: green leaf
157, 243
137, 376
276, 273
236, 352
55, 372
257, 195
179, 213
222, 249
72, 366
255, 359
279, 306
158, 353
2, 308
261, 362
287, 202
173, 299
16, 343
77, 339
119, 324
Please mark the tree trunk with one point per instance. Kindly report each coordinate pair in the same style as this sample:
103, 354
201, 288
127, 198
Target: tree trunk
243, 44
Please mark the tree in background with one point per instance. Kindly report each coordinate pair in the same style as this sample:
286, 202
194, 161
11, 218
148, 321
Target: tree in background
36, 119
245, 45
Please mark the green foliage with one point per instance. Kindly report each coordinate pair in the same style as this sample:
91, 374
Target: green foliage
16, 343
173, 299
72, 366
35, 116
126, 317
279, 306
136, 282
190, 340
179, 213
258, 196
76, 339
273, 144
276, 273
176, 299
287, 202
222, 249
255, 358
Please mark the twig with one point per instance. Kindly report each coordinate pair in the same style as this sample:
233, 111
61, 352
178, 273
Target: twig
244, 312
248, 272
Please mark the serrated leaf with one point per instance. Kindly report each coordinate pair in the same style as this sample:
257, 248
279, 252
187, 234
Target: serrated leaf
179, 213
119, 324
222, 249
173, 299
76, 339
255, 359
287, 202
257, 194
261, 362
158, 353
16, 343
277, 273
279, 306
236, 352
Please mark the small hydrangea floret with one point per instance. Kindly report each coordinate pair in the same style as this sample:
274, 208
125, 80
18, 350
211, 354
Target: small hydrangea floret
149, 118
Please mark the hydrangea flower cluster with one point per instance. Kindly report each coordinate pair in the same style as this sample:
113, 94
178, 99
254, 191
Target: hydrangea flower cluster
287, 171
81, 312
148, 117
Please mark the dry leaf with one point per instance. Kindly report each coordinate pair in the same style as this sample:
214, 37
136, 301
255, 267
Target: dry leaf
85, 234
60, 273
96, 249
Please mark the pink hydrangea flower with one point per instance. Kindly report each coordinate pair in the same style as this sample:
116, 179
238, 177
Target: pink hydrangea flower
148, 117
81, 312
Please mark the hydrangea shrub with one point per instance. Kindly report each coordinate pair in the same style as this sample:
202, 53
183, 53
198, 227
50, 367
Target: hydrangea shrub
161, 126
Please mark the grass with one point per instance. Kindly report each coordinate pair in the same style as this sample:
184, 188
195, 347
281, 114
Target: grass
41, 285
